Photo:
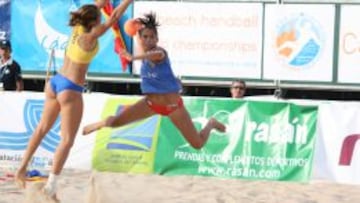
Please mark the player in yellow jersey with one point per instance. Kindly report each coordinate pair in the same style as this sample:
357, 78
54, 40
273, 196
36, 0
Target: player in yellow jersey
64, 90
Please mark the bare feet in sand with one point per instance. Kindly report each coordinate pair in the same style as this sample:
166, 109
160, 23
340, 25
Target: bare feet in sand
35, 192
217, 125
20, 178
51, 195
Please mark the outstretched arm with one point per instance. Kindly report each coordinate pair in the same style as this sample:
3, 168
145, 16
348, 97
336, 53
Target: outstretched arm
115, 16
155, 55
101, 3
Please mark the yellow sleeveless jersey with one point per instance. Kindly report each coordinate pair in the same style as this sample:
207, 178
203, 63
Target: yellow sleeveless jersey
75, 52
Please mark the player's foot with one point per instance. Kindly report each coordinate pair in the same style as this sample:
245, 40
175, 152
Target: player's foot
20, 178
217, 125
90, 128
98, 125
50, 193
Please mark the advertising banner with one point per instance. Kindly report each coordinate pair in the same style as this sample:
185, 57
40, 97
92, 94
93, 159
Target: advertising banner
20, 114
5, 17
42, 26
337, 151
267, 140
264, 140
221, 40
349, 40
18, 120
298, 42
126, 149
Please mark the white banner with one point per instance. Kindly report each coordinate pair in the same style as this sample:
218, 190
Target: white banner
19, 115
349, 45
337, 157
298, 42
209, 39
336, 153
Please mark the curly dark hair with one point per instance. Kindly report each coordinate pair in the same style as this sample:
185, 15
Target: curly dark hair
149, 22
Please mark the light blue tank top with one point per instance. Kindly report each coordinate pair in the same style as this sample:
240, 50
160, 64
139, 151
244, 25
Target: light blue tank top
158, 78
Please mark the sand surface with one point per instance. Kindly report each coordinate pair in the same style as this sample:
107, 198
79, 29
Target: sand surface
104, 187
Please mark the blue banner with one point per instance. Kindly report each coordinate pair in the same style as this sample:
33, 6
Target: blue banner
5, 19
43, 26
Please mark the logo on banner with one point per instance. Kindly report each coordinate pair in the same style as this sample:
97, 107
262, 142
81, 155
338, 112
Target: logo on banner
2, 35
32, 116
347, 149
47, 32
137, 136
299, 41
5, 19
222, 116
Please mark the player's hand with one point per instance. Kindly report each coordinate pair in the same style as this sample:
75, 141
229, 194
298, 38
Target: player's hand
126, 55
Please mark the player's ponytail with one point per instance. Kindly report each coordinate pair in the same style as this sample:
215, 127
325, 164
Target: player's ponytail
85, 16
149, 21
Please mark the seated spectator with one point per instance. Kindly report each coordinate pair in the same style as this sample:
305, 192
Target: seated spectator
238, 89
10, 70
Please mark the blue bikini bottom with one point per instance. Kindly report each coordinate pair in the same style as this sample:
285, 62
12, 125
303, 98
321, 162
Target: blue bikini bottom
60, 83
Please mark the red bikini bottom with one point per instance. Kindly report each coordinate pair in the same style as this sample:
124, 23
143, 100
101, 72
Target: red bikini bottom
165, 110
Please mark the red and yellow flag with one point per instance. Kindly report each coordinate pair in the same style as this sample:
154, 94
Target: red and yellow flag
118, 41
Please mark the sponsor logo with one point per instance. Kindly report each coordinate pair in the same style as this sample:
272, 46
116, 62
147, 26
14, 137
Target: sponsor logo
32, 116
2, 35
347, 149
137, 136
299, 41
50, 22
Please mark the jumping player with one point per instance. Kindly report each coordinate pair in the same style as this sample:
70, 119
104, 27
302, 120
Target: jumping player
161, 90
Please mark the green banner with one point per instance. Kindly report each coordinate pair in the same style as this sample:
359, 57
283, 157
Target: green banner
126, 149
264, 140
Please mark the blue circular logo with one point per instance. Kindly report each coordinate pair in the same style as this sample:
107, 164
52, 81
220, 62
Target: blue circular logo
299, 41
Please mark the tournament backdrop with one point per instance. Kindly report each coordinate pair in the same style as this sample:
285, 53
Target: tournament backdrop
40, 26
